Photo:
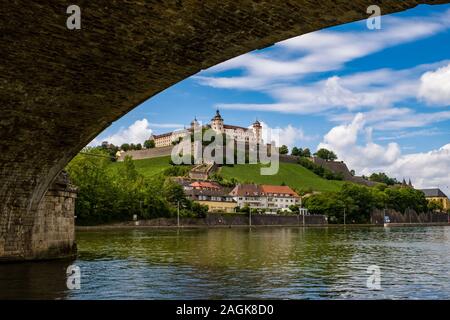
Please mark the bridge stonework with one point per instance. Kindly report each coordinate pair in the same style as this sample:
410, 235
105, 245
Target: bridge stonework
59, 88
47, 233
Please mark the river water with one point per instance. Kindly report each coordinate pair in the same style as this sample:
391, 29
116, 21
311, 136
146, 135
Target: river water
243, 263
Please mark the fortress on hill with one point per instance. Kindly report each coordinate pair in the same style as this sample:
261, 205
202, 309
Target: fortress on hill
253, 134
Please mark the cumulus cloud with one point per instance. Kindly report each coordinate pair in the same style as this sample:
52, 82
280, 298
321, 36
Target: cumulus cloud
138, 132
425, 169
435, 87
343, 141
290, 136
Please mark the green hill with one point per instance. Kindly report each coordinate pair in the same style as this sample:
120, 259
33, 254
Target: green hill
148, 167
293, 175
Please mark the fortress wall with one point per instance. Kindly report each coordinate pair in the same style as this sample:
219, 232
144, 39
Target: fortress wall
147, 153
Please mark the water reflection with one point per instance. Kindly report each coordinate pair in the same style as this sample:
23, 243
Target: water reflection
240, 263
34, 280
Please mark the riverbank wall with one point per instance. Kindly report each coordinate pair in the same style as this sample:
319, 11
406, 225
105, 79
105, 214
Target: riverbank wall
223, 220
410, 217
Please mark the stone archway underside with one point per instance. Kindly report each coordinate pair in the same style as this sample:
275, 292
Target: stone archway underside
60, 88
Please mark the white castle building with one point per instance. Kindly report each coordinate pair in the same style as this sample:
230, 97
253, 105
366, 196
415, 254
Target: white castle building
253, 134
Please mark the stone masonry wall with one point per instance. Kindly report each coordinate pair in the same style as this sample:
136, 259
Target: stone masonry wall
48, 232
53, 232
217, 219
147, 153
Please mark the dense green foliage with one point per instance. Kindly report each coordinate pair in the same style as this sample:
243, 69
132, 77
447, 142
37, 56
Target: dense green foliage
293, 175
359, 201
116, 192
149, 144
283, 149
383, 178
130, 146
319, 170
300, 152
326, 154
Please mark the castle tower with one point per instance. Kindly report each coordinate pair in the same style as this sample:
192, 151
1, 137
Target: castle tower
257, 131
194, 124
217, 123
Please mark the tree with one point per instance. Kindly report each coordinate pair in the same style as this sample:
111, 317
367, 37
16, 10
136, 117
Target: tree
284, 149
125, 147
173, 192
383, 178
295, 151
128, 170
96, 189
139, 146
306, 153
149, 144
326, 155
435, 205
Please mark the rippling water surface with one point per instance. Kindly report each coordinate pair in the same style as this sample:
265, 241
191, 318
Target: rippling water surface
242, 263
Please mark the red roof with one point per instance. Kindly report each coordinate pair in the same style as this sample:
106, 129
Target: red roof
265, 188
246, 190
262, 190
204, 184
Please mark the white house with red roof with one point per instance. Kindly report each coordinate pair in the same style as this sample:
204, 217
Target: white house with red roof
268, 197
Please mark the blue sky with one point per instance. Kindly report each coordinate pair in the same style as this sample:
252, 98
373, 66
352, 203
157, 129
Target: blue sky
379, 98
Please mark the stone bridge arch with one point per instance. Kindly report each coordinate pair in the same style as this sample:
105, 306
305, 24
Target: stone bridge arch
59, 88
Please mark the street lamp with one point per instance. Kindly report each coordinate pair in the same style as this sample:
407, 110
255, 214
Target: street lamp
178, 213
345, 209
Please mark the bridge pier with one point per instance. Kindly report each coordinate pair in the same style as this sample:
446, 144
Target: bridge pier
47, 232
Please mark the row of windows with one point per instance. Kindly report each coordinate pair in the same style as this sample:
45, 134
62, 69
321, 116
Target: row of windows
209, 198
270, 199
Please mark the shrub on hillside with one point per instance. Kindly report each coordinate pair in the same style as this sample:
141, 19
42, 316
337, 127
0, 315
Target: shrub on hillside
319, 170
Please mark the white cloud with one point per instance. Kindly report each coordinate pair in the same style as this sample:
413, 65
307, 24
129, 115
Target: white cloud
343, 141
290, 136
377, 89
412, 134
435, 86
388, 119
321, 51
166, 125
426, 169
138, 132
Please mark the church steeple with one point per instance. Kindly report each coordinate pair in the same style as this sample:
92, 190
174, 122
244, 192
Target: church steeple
217, 123
217, 116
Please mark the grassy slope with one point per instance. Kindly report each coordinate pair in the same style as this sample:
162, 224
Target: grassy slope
148, 167
291, 174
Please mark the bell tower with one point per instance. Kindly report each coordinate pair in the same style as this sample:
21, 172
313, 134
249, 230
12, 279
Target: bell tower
257, 131
217, 123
